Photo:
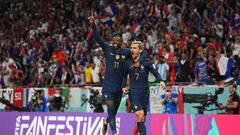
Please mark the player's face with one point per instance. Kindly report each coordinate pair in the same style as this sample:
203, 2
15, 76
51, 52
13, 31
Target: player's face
184, 56
116, 42
135, 50
238, 39
231, 89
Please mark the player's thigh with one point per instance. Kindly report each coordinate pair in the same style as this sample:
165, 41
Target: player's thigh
108, 95
112, 97
136, 103
118, 95
140, 117
145, 102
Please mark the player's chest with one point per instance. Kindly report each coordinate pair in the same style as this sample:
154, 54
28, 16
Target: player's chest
141, 68
116, 56
139, 73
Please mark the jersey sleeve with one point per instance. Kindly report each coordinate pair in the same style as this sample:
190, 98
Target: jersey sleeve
98, 39
125, 73
128, 53
143, 56
154, 71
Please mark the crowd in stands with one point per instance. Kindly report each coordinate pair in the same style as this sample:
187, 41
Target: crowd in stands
49, 42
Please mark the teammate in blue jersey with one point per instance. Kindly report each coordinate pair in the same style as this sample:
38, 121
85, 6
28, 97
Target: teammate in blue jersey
138, 70
112, 83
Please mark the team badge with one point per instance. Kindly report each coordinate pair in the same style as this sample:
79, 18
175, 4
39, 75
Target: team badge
117, 57
123, 56
142, 67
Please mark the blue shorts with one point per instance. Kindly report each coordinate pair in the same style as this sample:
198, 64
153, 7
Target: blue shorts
139, 102
110, 95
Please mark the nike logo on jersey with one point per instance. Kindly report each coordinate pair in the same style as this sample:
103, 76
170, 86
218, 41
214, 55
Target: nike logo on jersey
154, 67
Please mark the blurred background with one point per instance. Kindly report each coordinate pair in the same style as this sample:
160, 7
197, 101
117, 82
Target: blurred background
47, 43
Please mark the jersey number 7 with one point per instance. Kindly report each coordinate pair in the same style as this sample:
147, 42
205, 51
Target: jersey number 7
137, 75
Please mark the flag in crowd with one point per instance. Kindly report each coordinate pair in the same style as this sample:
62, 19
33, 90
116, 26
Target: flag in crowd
136, 27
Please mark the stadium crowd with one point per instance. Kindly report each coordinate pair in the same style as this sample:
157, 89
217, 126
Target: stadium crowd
50, 42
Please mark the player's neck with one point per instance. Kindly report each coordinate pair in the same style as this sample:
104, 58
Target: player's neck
136, 58
117, 49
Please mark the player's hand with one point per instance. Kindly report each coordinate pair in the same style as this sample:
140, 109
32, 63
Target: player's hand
91, 20
135, 65
125, 90
168, 94
162, 85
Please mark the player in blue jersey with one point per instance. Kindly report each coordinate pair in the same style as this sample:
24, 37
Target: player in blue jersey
112, 83
138, 70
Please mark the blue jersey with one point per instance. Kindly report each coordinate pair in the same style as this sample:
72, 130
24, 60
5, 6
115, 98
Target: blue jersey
170, 107
43, 106
114, 64
139, 76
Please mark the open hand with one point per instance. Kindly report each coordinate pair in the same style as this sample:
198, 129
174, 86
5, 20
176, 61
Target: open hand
125, 90
91, 20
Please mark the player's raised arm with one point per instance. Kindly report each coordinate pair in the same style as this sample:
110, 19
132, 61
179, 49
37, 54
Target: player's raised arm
96, 35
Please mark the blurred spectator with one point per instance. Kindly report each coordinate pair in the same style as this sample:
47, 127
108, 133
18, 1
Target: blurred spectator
38, 102
212, 69
183, 75
236, 46
95, 73
32, 32
102, 69
126, 36
57, 101
163, 68
42, 102
232, 105
78, 72
88, 73
169, 100
201, 72
8, 66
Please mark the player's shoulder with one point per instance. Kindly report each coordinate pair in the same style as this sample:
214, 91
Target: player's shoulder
129, 61
125, 51
146, 61
110, 47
